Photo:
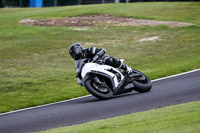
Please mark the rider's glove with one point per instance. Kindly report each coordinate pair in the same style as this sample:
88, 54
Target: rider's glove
96, 57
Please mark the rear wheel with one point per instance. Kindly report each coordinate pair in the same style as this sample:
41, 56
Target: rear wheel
101, 91
142, 83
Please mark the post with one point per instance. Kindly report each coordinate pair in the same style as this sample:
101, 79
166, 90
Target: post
55, 2
117, 1
79, 2
20, 3
103, 1
127, 1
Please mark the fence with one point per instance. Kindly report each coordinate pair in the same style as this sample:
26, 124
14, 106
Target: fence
46, 3
50, 3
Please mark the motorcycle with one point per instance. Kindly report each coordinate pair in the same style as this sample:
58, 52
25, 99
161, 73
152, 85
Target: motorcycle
104, 81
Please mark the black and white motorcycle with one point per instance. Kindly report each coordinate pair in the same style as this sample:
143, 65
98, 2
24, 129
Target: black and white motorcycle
104, 81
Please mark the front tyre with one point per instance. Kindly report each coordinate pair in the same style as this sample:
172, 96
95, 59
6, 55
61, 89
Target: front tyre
142, 84
100, 93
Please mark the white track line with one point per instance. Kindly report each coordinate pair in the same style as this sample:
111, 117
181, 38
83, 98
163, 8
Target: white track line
90, 95
176, 75
43, 105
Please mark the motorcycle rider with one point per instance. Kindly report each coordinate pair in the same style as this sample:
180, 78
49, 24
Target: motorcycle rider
77, 52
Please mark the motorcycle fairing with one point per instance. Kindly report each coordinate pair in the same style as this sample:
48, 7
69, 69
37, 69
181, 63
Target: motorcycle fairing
102, 70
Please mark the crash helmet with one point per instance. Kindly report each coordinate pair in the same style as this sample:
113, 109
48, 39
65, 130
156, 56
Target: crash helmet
76, 50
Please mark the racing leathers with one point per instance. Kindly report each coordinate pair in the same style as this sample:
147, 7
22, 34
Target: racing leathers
94, 54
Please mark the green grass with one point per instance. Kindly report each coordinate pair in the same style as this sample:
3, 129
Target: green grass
35, 67
183, 118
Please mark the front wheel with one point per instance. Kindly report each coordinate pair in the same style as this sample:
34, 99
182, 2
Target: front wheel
102, 92
142, 83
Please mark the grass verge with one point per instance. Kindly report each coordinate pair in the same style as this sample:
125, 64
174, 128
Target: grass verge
35, 67
183, 118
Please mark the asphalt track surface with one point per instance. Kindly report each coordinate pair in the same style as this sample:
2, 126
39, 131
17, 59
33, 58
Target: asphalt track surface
171, 91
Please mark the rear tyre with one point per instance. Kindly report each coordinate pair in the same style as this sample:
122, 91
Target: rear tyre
92, 88
142, 84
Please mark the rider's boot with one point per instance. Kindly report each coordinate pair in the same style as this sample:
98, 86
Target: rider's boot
126, 68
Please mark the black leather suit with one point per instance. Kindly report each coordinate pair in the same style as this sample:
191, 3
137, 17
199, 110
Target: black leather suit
92, 52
